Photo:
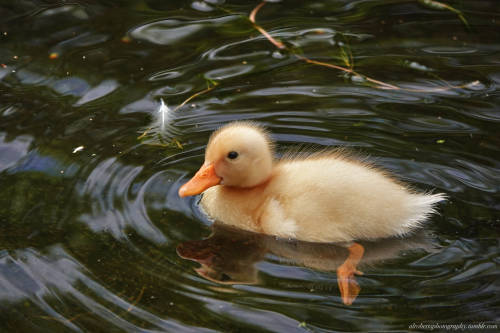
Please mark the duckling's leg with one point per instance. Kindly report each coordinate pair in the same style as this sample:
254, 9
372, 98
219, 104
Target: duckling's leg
349, 288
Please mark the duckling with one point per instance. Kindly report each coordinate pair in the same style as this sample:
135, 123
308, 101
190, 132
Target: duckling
322, 197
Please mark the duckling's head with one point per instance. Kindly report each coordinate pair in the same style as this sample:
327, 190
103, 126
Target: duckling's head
239, 155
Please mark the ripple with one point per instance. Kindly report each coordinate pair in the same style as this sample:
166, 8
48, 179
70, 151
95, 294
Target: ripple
436, 125
234, 51
102, 89
38, 162
70, 86
311, 91
76, 11
13, 151
145, 104
268, 320
28, 77
483, 109
90, 238
179, 89
457, 174
49, 278
165, 75
344, 112
479, 177
4, 72
80, 41
163, 33
118, 201
449, 50
228, 72
169, 32
201, 6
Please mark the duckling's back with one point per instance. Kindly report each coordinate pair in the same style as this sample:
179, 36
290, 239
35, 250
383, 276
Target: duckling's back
333, 199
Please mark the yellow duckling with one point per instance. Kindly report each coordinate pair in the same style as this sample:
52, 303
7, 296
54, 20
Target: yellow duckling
323, 197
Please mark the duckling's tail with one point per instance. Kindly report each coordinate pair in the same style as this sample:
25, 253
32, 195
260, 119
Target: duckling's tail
421, 206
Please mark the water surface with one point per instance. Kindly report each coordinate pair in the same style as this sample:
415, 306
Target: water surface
93, 236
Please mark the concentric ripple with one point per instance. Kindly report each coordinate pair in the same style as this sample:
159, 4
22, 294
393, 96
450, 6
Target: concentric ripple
107, 107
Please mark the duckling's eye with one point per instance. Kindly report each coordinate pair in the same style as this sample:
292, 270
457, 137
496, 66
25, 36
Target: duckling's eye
224, 277
232, 155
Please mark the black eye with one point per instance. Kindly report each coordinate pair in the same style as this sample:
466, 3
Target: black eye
232, 155
224, 277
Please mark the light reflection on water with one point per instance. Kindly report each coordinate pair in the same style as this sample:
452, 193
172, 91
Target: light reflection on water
94, 240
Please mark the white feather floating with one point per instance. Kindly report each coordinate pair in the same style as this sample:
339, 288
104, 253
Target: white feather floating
163, 110
161, 131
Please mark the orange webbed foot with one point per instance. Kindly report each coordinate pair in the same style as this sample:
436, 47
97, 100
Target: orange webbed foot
349, 288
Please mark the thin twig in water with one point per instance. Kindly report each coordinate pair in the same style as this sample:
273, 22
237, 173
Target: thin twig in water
137, 299
179, 145
214, 84
381, 85
77, 316
276, 43
254, 12
65, 320
144, 134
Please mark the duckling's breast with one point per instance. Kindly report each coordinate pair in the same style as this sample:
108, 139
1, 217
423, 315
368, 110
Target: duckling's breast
237, 207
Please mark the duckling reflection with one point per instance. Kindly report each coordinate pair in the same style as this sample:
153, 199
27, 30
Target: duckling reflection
229, 255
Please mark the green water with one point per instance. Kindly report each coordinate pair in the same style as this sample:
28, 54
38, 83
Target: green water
93, 237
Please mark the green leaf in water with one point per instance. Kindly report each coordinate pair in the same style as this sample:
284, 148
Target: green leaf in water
344, 57
211, 82
346, 53
177, 143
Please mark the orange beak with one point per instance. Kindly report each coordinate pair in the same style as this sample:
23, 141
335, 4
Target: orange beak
203, 179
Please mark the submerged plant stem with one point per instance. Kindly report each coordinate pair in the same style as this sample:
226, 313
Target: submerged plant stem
214, 84
382, 85
379, 84
276, 43
137, 299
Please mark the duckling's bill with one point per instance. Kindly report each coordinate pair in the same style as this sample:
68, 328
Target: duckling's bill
203, 179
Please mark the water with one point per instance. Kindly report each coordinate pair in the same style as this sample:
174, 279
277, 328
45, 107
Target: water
93, 236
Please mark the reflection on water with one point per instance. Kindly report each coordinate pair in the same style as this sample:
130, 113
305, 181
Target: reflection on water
90, 219
44, 282
229, 256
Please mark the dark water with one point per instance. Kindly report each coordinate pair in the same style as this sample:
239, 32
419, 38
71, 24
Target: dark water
89, 236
